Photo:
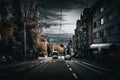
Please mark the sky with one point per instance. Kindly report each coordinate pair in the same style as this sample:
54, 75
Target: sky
68, 25
71, 10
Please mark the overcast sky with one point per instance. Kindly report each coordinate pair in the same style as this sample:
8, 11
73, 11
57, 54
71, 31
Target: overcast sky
71, 10
68, 25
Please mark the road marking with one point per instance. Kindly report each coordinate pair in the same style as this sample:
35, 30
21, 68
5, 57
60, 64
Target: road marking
101, 73
21, 69
96, 66
70, 69
44, 67
32, 66
75, 76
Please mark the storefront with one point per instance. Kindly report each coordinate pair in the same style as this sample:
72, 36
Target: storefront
105, 52
101, 51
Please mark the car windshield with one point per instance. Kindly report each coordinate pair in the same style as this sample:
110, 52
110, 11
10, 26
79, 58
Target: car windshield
55, 53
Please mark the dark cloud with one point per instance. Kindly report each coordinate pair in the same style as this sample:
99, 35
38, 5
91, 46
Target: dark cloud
51, 7
65, 4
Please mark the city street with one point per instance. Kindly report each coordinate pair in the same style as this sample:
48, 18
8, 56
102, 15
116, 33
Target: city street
59, 39
56, 69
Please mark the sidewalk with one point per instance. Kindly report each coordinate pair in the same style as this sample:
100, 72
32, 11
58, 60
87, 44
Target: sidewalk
11, 64
15, 63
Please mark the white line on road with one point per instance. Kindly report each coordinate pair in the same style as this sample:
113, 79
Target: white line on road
70, 69
21, 69
96, 66
92, 69
75, 76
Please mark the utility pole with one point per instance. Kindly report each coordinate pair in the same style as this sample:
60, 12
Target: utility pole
60, 21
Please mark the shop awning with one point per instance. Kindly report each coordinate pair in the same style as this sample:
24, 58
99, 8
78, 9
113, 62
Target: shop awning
101, 45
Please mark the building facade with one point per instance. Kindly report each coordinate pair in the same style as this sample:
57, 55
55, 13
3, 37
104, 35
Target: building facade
106, 31
106, 20
83, 32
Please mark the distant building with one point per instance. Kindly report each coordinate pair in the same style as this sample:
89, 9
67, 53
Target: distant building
83, 32
77, 37
74, 43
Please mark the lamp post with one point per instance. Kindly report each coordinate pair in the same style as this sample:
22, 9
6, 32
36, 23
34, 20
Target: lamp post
25, 32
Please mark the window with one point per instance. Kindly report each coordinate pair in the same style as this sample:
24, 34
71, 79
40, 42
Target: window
101, 33
102, 21
105, 33
98, 34
85, 34
98, 23
102, 9
84, 25
94, 35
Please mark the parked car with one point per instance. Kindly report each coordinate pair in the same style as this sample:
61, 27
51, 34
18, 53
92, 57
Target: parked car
9, 58
55, 55
67, 57
41, 54
3, 59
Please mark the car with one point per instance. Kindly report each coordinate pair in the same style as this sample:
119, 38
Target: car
41, 54
9, 58
55, 55
3, 59
67, 57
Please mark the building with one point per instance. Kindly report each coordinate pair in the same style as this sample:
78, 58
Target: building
106, 20
77, 37
83, 32
106, 30
74, 44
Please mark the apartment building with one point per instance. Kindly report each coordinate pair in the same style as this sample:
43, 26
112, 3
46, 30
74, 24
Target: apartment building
106, 20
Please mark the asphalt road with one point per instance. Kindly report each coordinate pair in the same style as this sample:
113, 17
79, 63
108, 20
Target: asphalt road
56, 69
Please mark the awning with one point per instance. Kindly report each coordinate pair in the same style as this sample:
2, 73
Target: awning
101, 46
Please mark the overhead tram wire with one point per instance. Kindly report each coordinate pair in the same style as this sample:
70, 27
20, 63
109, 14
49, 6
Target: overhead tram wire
60, 21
